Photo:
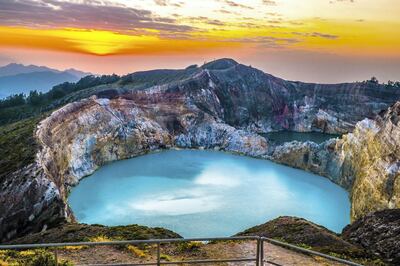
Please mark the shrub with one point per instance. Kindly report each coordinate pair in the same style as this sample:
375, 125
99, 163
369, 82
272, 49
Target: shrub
165, 257
100, 238
189, 246
39, 257
136, 251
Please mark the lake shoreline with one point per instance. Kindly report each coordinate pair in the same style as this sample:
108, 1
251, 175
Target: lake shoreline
213, 170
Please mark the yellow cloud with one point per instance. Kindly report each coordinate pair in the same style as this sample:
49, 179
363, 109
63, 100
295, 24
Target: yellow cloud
99, 42
353, 38
346, 37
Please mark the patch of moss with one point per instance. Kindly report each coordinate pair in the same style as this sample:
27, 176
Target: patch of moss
165, 257
38, 257
136, 251
99, 238
189, 247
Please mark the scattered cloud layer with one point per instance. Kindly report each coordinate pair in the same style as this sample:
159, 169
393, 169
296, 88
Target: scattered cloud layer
236, 4
161, 2
168, 3
306, 40
89, 14
108, 27
269, 2
317, 34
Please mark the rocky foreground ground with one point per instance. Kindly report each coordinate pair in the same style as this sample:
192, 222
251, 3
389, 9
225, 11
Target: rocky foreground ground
275, 255
356, 243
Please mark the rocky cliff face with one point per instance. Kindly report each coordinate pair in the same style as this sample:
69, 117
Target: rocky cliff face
248, 98
366, 162
82, 136
322, 159
29, 202
373, 152
221, 105
378, 232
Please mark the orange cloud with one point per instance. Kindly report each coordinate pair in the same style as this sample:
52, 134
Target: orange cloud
97, 28
100, 42
367, 38
333, 36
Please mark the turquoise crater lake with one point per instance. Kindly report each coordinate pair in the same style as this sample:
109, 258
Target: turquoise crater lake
205, 194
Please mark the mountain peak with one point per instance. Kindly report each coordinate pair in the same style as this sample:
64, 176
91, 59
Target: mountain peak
219, 64
13, 65
16, 68
18, 78
77, 72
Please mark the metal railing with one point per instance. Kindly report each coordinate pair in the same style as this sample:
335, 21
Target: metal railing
305, 251
259, 259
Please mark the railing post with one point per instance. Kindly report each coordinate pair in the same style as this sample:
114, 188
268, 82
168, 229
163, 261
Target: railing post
56, 257
258, 252
262, 252
158, 254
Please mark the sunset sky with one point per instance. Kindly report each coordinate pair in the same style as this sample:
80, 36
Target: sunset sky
309, 40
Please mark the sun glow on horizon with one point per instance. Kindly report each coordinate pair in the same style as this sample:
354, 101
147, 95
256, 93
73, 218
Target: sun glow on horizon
102, 43
244, 29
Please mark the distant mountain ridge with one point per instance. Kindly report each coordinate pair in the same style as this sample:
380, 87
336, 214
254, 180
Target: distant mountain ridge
14, 69
19, 78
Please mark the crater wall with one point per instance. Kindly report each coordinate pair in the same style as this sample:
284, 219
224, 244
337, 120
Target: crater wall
220, 108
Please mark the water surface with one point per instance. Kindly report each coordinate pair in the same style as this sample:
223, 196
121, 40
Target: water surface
205, 194
281, 137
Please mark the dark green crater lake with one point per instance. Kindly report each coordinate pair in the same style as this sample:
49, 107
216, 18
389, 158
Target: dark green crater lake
281, 137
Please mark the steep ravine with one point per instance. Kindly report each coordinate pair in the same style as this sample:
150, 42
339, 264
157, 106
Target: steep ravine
221, 106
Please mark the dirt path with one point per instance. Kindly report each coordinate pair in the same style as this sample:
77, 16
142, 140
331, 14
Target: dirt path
275, 255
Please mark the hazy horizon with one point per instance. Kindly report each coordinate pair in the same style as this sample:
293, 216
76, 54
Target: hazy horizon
280, 73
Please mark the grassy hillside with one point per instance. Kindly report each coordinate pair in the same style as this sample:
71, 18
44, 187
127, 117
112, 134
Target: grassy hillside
17, 145
78, 233
83, 232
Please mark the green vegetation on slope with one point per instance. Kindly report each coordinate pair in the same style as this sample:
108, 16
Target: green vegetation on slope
20, 106
303, 233
146, 79
38, 257
83, 254
17, 145
84, 232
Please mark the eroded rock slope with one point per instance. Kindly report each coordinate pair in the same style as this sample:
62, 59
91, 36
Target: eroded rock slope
366, 162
